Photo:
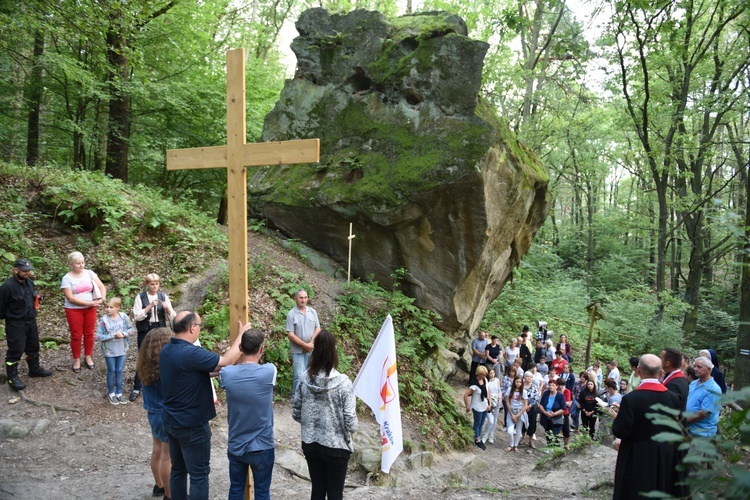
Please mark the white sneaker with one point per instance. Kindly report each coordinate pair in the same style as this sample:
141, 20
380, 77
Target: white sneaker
491, 440
534, 436
484, 439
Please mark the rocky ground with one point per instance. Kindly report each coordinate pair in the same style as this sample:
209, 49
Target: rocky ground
102, 451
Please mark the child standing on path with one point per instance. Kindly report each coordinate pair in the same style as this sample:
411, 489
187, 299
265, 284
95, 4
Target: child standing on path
114, 329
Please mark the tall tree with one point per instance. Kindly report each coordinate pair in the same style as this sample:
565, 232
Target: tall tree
683, 57
34, 100
124, 25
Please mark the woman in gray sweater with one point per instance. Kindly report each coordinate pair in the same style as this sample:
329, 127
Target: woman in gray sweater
326, 407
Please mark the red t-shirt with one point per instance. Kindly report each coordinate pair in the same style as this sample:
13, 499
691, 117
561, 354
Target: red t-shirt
558, 365
568, 397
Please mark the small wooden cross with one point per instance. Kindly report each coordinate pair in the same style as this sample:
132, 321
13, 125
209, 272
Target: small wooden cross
349, 267
235, 156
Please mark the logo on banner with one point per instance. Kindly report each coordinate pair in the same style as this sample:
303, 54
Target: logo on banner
387, 395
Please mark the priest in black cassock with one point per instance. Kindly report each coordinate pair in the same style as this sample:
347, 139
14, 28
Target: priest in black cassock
645, 465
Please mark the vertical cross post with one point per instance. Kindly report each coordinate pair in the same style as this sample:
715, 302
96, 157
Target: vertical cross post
349, 266
235, 156
236, 190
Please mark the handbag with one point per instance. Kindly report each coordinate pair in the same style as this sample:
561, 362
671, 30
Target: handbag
558, 420
96, 294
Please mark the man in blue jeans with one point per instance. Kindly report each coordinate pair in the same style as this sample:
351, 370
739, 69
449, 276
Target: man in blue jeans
249, 389
185, 371
302, 326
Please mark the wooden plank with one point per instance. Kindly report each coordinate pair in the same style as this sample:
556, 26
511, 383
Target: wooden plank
194, 158
282, 153
256, 154
236, 190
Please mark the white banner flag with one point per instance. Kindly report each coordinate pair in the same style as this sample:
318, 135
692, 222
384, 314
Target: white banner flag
377, 385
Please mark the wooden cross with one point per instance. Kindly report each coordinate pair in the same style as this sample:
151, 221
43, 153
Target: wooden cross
349, 267
235, 156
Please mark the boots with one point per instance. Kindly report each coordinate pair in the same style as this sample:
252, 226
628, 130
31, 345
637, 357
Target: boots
13, 380
35, 370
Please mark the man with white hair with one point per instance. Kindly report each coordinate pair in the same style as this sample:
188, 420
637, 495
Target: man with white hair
703, 400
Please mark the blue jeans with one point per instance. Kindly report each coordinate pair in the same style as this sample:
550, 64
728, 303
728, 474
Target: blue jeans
479, 417
299, 367
575, 411
262, 464
114, 373
190, 450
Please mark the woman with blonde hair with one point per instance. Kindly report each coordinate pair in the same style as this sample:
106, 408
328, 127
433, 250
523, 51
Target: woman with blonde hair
151, 309
493, 387
84, 292
153, 400
479, 403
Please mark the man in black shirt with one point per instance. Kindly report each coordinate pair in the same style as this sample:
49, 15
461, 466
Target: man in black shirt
18, 307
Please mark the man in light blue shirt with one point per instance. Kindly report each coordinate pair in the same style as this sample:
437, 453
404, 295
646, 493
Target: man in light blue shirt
703, 400
302, 326
249, 387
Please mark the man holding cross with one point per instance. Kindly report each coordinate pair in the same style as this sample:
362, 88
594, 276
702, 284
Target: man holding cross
302, 326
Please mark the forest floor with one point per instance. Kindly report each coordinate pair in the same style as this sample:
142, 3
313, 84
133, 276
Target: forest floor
102, 451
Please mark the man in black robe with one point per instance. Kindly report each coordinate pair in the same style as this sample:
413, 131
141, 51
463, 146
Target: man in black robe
645, 465
674, 379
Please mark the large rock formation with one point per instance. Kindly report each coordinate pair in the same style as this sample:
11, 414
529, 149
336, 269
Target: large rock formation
432, 180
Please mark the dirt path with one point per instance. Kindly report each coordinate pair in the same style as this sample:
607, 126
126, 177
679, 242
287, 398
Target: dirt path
103, 451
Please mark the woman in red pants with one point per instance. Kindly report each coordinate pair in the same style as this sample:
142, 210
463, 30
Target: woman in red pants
84, 293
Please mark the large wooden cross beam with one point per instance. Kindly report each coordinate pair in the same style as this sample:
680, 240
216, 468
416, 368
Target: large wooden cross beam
235, 156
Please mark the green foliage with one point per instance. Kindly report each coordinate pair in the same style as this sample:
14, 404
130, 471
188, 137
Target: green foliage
716, 329
545, 289
554, 450
256, 225
423, 395
277, 352
215, 319
116, 223
715, 465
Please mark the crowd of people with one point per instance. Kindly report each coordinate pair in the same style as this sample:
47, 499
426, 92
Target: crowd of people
513, 388
545, 387
173, 372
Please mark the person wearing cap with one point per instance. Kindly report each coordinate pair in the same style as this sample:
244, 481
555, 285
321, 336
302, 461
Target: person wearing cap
18, 307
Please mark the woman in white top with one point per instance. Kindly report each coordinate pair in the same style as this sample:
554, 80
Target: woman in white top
493, 387
511, 352
84, 293
479, 403
151, 309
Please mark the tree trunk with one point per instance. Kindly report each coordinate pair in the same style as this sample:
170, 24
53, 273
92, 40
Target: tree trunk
590, 236
661, 244
555, 233
695, 230
742, 353
118, 134
675, 268
34, 88
223, 215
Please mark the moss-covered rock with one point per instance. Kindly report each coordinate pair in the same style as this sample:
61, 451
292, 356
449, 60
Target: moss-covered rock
431, 178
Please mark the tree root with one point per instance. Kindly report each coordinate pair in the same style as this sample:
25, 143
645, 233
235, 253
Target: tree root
44, 403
